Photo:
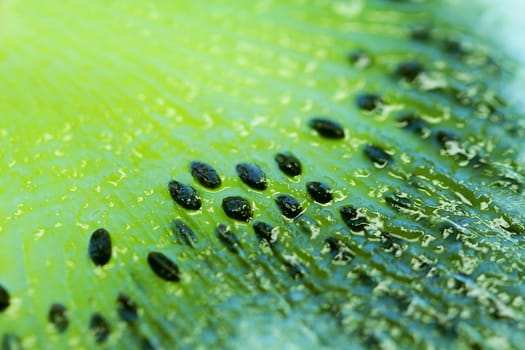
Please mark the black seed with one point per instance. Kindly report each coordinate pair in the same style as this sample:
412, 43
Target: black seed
100, 247
443, 137
288, 164
205, 174
352, 219
390, 243
252, 176
237, 208
365, 279
164, 267
327, 128
421, 33
264, 231
413, 123
319, 192
4, 298
127, 308
369, 102
100, 328
360, 59
11, 342
288, 205
453, 46
333, 244
228, 238
58, 317
377, 155
397, 201
183, 232
339, 251
409, 70
186, 196
296, 270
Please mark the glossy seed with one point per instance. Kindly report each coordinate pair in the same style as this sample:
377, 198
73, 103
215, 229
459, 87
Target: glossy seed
100, 247
4, 298
288, 206
127, 308
352, 219
288, 164
265, 232
183, 232
452, 46
443, 137
397, 201
319, 192
411, 122
11, 342
296, 270
377, 155
369, 102
341, 254
184, 195
327, 128
332, 244
57, 316
228, 238
205, 174
164, 267
252, 176
390, 243
99, 327
237, 208
409, 70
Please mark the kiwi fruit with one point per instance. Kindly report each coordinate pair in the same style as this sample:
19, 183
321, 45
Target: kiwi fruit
272, 174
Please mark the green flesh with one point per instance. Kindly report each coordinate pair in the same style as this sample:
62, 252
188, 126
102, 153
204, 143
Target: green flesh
104, 102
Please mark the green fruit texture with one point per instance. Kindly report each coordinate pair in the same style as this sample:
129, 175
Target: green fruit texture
295, 174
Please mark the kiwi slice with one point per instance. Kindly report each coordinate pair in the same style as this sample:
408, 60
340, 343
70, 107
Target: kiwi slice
270, 174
